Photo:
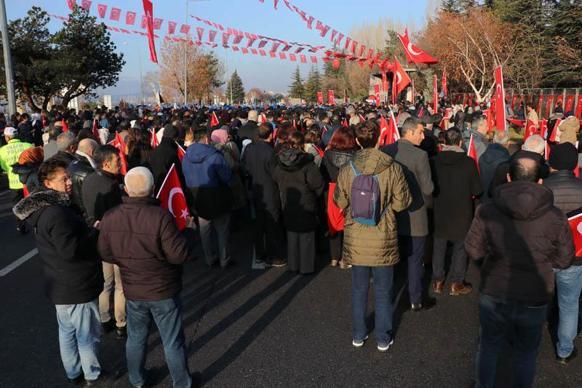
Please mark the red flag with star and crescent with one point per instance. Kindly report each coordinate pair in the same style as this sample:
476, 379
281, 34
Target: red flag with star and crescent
172, 198
214, 120
575, 222
472, 152
413, 53
118, 143
500, 112
400, 81
388, 130
148, 10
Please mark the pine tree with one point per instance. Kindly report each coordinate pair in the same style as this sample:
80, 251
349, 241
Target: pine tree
313, 85
235, 91
297, 89
451, 6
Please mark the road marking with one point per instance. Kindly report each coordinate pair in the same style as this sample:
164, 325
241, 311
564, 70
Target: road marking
11, 267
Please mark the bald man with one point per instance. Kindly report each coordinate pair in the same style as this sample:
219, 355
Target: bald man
143, 240
80, 167
521, 237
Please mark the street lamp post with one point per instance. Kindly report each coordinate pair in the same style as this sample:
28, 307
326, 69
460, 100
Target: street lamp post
7, 59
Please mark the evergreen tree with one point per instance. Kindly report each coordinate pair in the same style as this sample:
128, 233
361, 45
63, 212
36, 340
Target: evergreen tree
297, 89
235, 91
451, 6
313, 85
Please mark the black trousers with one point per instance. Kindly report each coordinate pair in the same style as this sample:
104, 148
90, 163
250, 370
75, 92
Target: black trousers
335, 245
301, 252
268, 234
16, 196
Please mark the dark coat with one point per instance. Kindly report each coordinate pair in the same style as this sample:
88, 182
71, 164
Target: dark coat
521, 236
248, 131
500, 176
162, 158
258, 162
101, 192
66, 246
78, 170
332, 161
456, 182
494, 155
28, 175
143, 240
300, 186
65, 157
414, 161
208, 177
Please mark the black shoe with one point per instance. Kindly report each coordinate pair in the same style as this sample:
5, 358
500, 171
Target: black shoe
108, 326
566, 360
277, 262
77, 380
22, 229
416, 307
228, 264
102, 381
120, 332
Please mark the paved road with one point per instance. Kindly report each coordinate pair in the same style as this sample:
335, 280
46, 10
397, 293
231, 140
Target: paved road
248, 328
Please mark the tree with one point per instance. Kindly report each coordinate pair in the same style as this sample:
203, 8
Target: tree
74, 61
182, 62
254, 95
313, 85
470, 46
297, 89
451, 6
235, 91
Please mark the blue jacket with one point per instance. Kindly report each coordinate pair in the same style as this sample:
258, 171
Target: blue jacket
205, 166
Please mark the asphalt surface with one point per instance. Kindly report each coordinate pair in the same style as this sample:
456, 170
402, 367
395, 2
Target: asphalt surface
262, 328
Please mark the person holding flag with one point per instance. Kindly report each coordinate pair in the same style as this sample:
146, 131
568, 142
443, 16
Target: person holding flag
567, 190
143, 239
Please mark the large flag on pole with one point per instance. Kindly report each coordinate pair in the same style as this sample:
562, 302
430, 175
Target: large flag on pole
444, 82
148, 10
400, 81
435, 95
500, 112
173, 199
413, 53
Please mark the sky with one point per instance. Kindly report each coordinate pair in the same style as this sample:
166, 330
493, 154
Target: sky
247, 15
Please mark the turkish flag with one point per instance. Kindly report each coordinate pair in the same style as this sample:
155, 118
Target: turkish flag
130, 18
171, 27
377, 94
388, 130
65, 125
95, 131
578, 112
472, 152
181, 152
575, 221
148, 9
444, 82
262, 119
400, 80
569, 104
153, 138
345, 123
101, 10
330, 97
185, 29
435, 95
555, 130
214, 120
120, 145
413, 53
385, 82
530, 129
549, 103
544, 129
115, 14
71, 4
500, 116
320, 98
172, 198
212, 35
86, 4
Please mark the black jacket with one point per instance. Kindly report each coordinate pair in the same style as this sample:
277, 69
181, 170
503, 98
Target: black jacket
65, 157
66, 246
300, 185
28, 175
248, 131
78, 170
567, 190
162, 158
258, 162
101, 192
500, 175
142, 238
494, 155
521, 236
456, 183
332, 161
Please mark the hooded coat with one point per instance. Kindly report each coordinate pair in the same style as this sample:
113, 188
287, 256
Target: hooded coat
494, 155
373, 245
521, 236
66, 246
456, 182
300, 185
208, 177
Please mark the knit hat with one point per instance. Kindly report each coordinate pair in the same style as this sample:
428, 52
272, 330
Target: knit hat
564, 157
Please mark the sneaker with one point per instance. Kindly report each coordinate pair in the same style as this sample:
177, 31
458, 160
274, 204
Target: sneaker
438, 286
383, 347
461, 288
277, 262
102, 381
359, 343
344, 265
566, 360
334, 262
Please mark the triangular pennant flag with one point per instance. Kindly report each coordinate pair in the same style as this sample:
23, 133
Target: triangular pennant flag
65, 125
472, 151
214, 120
172, 198
181, 152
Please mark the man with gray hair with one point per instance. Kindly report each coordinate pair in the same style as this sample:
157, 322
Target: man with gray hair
250, 129
82, 166
495, 154
534, 143
144, 241
66, 147
479, 131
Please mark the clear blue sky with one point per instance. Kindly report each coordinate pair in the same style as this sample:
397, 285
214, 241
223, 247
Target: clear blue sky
246, 15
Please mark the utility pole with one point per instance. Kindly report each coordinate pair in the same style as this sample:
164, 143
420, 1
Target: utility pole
7, 59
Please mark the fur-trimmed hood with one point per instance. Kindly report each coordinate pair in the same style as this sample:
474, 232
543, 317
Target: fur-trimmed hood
31, 206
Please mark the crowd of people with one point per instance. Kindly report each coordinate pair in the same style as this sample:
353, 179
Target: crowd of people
303, 178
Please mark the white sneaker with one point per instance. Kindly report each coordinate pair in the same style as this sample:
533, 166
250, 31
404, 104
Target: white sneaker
359, 343
385, 347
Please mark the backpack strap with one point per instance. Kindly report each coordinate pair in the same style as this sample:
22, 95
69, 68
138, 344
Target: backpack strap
354, 169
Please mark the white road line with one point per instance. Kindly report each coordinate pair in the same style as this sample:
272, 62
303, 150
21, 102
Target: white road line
11, 267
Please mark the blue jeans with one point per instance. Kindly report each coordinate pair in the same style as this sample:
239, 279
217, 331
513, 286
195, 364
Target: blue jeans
79, 335
569, 284
167, 315
524, 323
383, 280
412, 248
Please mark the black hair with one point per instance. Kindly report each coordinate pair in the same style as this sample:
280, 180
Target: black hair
49, 167
104, 154
367, 135
525, 169
452, 137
